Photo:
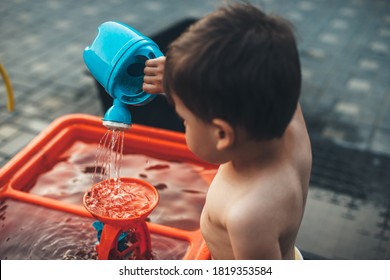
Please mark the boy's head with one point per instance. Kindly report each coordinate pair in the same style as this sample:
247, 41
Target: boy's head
240, 65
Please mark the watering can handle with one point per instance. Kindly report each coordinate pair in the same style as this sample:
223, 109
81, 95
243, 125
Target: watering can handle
10, 93
149, 52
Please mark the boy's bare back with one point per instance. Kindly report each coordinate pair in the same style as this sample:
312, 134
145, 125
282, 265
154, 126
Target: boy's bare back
254, 208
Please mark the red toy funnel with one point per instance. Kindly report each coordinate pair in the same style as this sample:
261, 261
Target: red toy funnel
122, 205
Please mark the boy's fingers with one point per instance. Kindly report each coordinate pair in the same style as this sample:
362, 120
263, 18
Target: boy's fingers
150, 80
150, 88
152, 62
145, 87
155, 62
149, 71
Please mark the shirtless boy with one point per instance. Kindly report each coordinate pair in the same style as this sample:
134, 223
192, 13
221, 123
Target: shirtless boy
234, 78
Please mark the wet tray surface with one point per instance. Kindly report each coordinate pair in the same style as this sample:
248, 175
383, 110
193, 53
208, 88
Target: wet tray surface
48, 178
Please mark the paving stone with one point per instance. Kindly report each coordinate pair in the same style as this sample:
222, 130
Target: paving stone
381, 141
368, 64
18, 142
7, 131
356, 84
347, 135
347, 108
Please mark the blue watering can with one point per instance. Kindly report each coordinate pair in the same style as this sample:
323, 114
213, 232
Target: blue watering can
116, 58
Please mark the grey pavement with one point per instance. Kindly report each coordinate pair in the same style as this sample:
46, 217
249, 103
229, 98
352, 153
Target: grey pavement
344, 48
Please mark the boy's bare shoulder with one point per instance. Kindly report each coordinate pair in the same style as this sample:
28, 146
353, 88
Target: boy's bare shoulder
275, 196
277, 193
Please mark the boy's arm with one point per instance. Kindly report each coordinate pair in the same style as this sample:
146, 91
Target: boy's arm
154, 72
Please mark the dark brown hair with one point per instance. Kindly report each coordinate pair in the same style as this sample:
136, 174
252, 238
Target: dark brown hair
238, 64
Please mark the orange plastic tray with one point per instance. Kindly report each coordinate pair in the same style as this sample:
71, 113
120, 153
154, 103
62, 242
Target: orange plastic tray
41, 154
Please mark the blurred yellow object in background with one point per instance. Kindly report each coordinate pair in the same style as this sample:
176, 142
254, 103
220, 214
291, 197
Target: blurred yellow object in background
8, 86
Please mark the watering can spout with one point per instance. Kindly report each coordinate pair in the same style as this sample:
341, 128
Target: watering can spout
117, 116
116, 59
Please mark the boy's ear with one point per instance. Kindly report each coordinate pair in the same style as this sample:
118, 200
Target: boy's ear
224, 134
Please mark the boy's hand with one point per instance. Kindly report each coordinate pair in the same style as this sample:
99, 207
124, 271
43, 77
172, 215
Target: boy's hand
154, 71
